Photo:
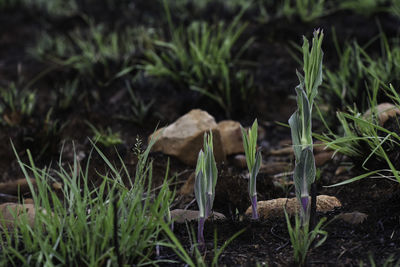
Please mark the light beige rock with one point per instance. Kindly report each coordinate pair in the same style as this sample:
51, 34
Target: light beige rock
275, 207
272, 168
319, 147
28, 201
240, 161
181, 215
341, 169
15, 187
187, 188
10, 212
285, 142
352, 217
384, 112
231, 137
261, 133
323, 157
282, 151
184, 138
57, 186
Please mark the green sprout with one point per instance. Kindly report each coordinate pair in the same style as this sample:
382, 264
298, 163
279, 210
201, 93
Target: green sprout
302, 238
16, 104
253, 160
106, 138
204, 189
300, 122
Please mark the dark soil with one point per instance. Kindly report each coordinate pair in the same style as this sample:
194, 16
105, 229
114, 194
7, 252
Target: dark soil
263, 242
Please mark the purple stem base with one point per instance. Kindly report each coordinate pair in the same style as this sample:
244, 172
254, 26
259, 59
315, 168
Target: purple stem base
208, 206
254, 207
304, 203
200, 234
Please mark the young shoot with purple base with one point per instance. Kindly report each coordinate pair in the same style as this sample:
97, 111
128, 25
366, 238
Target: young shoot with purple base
253, 160
204, 189
300, 122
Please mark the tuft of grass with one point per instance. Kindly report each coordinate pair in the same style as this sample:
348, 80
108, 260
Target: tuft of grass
96, 52
66, 93
302, 238
351, 83
366, 141
16, 104
202, 58
139, 110
105, 137
78, 228
195, 258
364, 7
305, 10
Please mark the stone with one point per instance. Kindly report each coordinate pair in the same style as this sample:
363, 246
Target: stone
187, 189
181, 215
352, 217
323, 157
275, 207
231, 137
384, 112
184, 138
15, 187
28, 201
57, 186
319, 147
240, 161
285, 143
10, 212
261, 133
341, 170
272, 168
4, 198
282, 151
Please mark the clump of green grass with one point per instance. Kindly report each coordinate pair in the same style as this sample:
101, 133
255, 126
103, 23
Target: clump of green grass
16, 104
365, 7
67, 93
139, 109
361, 82
106, 225
105, 137
305, 10
302, 238
351, 84
56, 7
96, 52
366, 141
201, 58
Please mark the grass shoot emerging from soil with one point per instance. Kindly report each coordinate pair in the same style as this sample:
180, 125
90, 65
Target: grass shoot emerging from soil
253, 160
302, 238
300, 122
204, 189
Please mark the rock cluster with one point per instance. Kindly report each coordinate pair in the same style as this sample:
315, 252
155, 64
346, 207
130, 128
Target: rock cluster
184, 138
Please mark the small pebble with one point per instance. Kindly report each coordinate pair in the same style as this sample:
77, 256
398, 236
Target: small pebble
240, 161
